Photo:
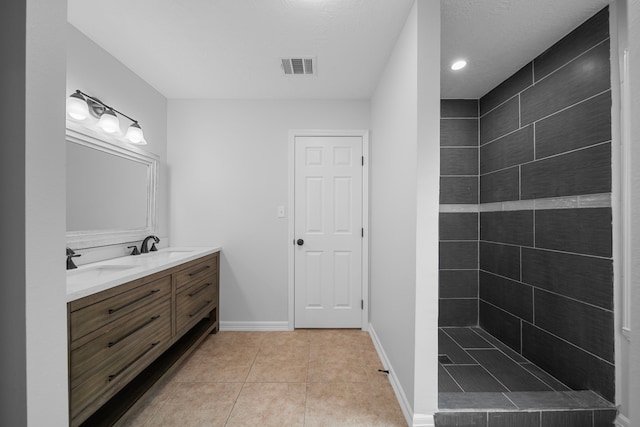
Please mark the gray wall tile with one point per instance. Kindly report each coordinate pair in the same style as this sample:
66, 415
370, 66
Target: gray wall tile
458, 108
582, 231
561, 316
586, 171
519, 81
567, 85
580, 277
587, 35
500, 121
500, 324
513, 149
458, 190
458, 255
458, 283
503, 260
458, 312
458, 132
582, 125
506, 294
514, 227
458, 161
500, 186
458, 226
571, 365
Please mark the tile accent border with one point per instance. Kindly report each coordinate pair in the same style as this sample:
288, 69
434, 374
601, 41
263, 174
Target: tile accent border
570, 202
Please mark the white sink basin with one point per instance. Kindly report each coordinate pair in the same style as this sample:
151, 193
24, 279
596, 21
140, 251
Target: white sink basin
92, 273
167, 254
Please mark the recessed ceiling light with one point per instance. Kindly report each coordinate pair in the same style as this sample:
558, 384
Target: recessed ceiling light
459, 65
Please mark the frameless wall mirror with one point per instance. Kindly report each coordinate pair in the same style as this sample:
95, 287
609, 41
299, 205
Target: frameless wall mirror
111, 190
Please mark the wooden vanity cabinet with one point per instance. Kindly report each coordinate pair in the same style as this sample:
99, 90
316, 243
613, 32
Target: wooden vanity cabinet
116, 334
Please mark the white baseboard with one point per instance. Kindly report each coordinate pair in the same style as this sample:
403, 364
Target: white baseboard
230, 325
622, 421
421, 420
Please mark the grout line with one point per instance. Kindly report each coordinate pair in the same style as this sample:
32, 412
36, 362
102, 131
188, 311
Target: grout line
535, 82
571, 60
589, 98
539, 288
549, 157
489, 372
546, 249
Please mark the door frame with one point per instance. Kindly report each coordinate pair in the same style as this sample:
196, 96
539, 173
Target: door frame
364, 134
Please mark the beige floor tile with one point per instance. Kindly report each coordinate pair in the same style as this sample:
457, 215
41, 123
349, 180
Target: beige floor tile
304, 377
278, 372
337, 371
197, 404
291, 353
214, 371
340, 404
268, 404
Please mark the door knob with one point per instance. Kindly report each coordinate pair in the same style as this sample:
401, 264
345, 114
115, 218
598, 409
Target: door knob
300, 242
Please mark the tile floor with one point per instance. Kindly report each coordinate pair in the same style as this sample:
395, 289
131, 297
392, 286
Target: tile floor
316, 377
484, 383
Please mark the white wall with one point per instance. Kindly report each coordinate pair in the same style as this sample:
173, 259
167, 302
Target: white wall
634, 73
97, 73
404, 211
33, 292
394, 136
228, 165
428, 193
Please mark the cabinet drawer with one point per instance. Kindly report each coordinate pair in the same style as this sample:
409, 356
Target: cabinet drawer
117, 339
195, 302
95, 316
196, 271
104, 382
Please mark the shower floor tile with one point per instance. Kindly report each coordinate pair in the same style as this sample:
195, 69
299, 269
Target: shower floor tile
479, 361
479, 373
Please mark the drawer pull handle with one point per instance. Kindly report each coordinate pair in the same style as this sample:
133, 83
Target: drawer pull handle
200, 270
113, 310
202, 288
201, 308
128, 334
128, 365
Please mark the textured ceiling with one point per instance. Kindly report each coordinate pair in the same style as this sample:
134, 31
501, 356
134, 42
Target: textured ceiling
498, 37
232, 48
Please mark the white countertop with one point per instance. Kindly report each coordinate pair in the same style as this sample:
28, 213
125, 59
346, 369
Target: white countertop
99, 276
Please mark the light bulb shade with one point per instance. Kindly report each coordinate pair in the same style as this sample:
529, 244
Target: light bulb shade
109, 121
77, 107
134, 134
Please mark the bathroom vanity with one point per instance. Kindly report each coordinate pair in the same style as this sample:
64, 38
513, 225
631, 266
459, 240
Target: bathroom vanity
131, 320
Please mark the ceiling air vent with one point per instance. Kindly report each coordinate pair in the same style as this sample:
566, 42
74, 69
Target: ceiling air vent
298, 66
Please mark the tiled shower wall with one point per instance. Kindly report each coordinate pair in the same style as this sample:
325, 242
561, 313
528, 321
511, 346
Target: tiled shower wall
545, 250
459, 230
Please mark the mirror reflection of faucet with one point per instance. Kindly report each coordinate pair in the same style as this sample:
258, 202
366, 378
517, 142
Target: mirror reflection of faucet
144, 248
70, 255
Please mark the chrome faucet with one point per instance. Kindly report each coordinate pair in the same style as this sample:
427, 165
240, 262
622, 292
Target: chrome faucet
70, 255
144, 248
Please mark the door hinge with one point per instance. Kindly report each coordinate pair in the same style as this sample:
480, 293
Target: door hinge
362, 160
361, 304
362, 232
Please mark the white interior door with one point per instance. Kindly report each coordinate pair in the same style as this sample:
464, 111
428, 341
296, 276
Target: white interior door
328, 232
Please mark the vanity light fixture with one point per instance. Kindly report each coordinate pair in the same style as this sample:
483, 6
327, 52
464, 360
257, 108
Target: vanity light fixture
458, 65
80, 106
